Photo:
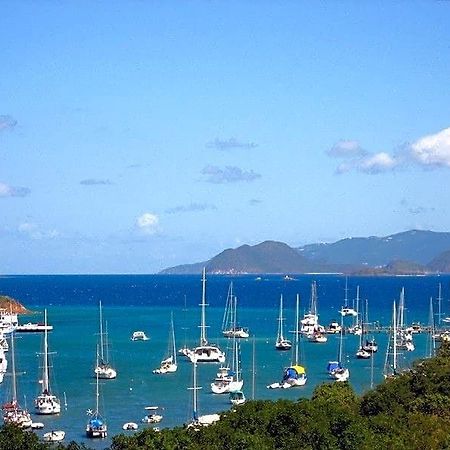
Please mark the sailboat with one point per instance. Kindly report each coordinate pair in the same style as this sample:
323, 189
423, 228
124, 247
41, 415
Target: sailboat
405, 337
431, 341
205, 352
310, 322
282, 343
103, 369
391, 360
346, 310
199, 421
46, 402
294, 375
169, 364
96, 426
361, 353
229, 379
237, 396
335, 368
371, 344
230, 327
12, 412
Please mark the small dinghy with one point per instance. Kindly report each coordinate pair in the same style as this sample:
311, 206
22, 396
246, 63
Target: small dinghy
54, 436
130, 426
37, 425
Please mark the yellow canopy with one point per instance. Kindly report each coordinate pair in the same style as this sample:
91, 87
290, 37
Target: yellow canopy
299, 369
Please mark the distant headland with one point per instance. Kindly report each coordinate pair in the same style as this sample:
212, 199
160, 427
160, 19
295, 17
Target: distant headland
413, 252
12, 305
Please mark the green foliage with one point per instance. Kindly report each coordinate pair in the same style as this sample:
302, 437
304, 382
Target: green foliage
408, 412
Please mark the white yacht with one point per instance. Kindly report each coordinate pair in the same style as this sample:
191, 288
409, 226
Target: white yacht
139, 336
205, 352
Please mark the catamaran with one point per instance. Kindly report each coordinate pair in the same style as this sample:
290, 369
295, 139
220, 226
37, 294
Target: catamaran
46, 402
205, 352
103, 369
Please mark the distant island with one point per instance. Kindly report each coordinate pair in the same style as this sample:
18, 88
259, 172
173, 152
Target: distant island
11, 305
413, 252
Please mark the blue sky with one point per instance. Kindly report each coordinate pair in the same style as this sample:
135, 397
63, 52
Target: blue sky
137, 135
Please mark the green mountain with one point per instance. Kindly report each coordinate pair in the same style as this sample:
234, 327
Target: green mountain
414, 245
403, 253
441, 263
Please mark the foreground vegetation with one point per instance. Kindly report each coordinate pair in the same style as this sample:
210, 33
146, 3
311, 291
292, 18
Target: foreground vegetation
409, 412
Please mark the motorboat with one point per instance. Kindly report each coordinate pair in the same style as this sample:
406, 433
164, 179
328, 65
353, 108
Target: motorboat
153, 416
237, 398
139, 336
54, 436
334, 328
34, 328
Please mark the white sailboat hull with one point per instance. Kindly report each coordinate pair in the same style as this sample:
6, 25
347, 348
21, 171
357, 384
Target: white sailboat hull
47, 404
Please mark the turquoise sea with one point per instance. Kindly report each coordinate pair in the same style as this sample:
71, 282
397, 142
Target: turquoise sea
145, 302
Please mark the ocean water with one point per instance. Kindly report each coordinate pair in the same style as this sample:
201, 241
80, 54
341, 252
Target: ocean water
145, 302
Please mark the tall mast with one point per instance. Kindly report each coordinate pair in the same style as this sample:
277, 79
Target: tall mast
439, 299
253, 369
194, 394
203, 340
13, 367
96, 389
346, 293
280, 320
394, 315
431, 349
174, 350
101, 333
297, 305
45, 368
340, 341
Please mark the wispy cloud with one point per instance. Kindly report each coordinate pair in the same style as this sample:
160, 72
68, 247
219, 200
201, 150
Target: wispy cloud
192, 207
433, 150
7, 122
228, 144
96, 182
372, 163
229, 174
254, 201
148, 223
33, 231
346, 148
13, 191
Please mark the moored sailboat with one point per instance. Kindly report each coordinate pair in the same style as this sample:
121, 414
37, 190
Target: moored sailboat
230, 327
96, 426
281, 342
46, 402
169, 364
103, 368
205, 352
295, 374
13, 413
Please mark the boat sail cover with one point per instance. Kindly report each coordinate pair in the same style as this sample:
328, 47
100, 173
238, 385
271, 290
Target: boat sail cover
293, 372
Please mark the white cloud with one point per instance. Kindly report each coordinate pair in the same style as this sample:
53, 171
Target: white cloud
33, 231
13, 191
432, 150
346, 149
377, 163
148, 223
